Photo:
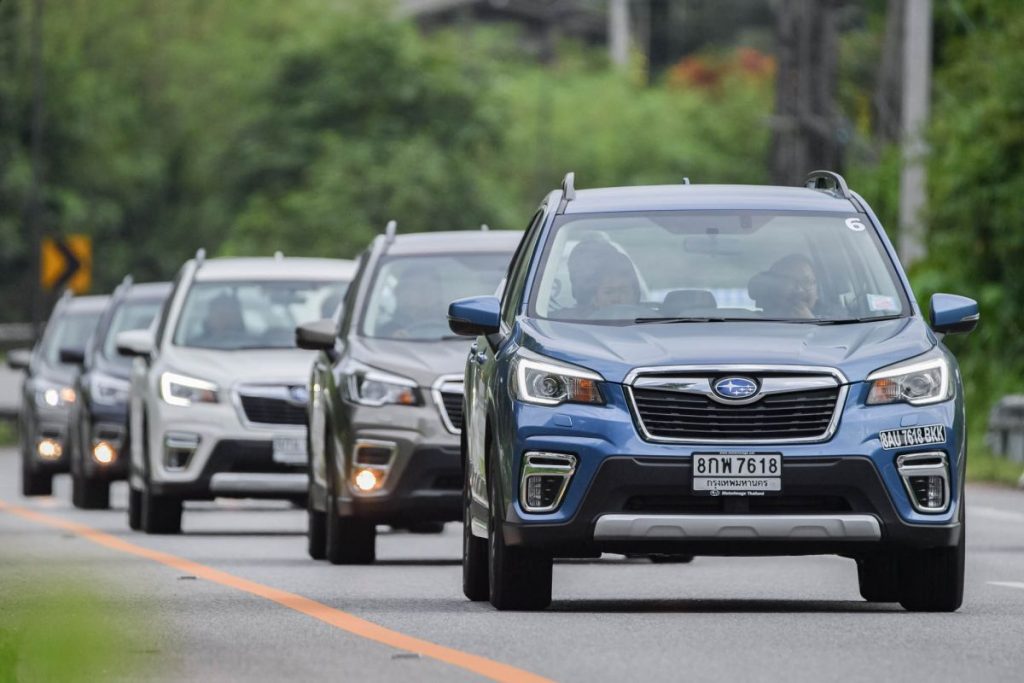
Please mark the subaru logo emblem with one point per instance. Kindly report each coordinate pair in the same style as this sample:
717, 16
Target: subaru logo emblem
735, 387
299, 394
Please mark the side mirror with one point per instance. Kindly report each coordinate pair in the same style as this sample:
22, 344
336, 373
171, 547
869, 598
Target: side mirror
72, 355
19, 359
951, 314
318, 335
475, 316
135, 343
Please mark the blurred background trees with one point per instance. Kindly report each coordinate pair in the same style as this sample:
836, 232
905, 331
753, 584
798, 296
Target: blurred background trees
247, 127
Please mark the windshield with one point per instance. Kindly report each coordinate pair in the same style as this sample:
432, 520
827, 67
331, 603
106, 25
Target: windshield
70, 331
795, 267
411, 294
253, 315
131, 315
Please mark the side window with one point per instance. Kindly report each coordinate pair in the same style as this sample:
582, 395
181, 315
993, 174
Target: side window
512, 297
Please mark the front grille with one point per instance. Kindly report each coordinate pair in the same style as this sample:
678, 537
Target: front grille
695, 417
272, 411
452, 405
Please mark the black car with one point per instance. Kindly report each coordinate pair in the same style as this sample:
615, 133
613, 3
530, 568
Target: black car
48, 392
97, 438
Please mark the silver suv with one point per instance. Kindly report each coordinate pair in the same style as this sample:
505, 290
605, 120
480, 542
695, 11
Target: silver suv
218, 398
386, 390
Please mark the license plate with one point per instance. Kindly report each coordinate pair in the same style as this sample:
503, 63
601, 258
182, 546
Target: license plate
737, 474
912, 436
290, 450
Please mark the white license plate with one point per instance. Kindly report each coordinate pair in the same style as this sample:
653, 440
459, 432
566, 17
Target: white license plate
737, 473
290, 450
912, 436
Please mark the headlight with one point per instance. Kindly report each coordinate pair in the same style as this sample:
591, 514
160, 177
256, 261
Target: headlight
54, 395
108, 391
370, 387
547, 382
919, 381
181, 390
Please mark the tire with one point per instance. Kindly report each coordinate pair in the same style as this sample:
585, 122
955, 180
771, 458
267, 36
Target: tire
932, 580
160, 514
878, 577
476, 583
134, 509
316, 533
35, 483
89, 494
348, 540
520, 578
426, 528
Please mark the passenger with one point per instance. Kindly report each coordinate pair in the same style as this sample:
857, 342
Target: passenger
224, 324
602, 277
419, 310
789, 289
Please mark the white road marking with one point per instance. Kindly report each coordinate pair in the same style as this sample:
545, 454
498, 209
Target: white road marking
994, 513
1008, 584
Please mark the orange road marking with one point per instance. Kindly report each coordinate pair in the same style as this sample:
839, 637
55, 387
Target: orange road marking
329, 615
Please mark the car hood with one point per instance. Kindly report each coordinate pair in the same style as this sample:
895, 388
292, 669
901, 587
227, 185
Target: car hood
248, 366
855, 349
423, 362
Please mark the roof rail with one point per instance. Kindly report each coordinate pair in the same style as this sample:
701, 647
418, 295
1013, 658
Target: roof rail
390, 231
568, 190
819, 180
200, 255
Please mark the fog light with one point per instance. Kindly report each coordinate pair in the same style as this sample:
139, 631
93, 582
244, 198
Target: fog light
104, 453
178, 449
366, 480
545, 478
49, 449
926, 477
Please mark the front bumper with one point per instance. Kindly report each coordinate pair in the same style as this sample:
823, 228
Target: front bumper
836, 505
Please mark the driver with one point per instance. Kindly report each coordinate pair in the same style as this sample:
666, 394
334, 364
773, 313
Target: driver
601, 277
789, 289
417, 304
224, 324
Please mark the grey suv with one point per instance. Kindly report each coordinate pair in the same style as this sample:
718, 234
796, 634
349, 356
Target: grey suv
385, 409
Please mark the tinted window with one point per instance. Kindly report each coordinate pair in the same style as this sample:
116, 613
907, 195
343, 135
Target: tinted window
130, 315
253, 315
70, 331
410, 294
752, 265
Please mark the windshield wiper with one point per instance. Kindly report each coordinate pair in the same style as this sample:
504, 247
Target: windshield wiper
670, 320
851, 321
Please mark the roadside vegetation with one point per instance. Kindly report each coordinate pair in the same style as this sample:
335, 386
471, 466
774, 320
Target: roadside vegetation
305, 126
64, 633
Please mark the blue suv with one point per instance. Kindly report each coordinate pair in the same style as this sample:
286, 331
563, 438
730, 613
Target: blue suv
712, 370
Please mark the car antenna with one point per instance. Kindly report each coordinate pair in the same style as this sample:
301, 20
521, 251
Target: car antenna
278, 255
390, 231
686, 180
484, 227
568, 190
200, 255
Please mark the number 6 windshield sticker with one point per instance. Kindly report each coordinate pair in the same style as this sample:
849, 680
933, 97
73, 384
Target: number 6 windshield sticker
854, 224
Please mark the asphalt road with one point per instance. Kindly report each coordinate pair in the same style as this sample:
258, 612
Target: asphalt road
236, 598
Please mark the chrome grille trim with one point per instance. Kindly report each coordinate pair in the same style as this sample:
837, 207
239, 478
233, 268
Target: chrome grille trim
777, 381
447, 384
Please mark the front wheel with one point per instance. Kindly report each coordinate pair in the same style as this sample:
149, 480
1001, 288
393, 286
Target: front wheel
349, 540
316, 532
475, 581
134, 508
89, 494
160, 514
35, 483
878, 578
520, 578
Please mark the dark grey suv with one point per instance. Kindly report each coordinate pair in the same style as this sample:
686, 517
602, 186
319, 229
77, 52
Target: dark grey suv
385, 410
